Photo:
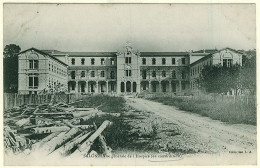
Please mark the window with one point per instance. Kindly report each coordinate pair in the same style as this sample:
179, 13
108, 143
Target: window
72, 74
227, 62
183, 86
163, 61
112, 74
102, 61
174, 74
163, 74
92, 74
112, 61
153, 61
83, 74
173, 61
33, 82
102, 73
72, 61
183, 75
128, 72
144, 61
144, 74
153, 74
128, 60
33, 64
92, 61
73, 85
82, 61
183, 61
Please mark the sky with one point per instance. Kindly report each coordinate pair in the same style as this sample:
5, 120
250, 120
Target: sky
149, 27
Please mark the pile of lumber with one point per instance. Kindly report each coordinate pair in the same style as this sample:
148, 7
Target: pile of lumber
55, 129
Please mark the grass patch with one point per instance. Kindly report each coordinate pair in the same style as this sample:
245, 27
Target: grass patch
104, 103
226, 111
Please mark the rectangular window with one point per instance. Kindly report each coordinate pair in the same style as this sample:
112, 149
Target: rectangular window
92, 73
163, 74
128, 60
72, 61
112, 61
153, 61
183, 61
82, 61
144, 74
174, 74
83, 74
173, 61
183, 75
163, 61
33, 82
183, 86
73, 74
112, 74
92, 61
154, 74
73, 86
144, 61
102, 73
102, 61
33, 64
227, 62
128, 72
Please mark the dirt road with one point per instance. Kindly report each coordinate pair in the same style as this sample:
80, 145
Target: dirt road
201, 133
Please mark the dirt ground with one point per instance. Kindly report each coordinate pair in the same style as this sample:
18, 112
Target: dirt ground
187, 133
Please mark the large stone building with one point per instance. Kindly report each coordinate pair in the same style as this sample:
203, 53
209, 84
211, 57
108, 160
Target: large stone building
126, 71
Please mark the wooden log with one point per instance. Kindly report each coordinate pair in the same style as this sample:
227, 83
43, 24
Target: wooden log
85, 147
41, 130
65, 149
99, 114
52, 142
78, 114
107, 150
62, 140
84, 109
44, 140
22, 122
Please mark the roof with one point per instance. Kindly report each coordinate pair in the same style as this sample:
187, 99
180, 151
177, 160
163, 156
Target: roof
206, 57
92, 54
154, 54
43, 53
206, 51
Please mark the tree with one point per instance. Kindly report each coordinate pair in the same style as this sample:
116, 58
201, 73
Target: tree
11, 68
219, 79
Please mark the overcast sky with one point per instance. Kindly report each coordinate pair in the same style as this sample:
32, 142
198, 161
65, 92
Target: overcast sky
149, 27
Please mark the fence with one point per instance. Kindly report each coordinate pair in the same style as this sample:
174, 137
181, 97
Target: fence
13, 99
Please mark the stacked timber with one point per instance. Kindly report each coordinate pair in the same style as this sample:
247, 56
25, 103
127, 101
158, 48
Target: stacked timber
54, 129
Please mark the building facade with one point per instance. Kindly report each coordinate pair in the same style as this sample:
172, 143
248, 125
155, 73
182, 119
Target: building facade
121, 72
39, 71
225, 57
